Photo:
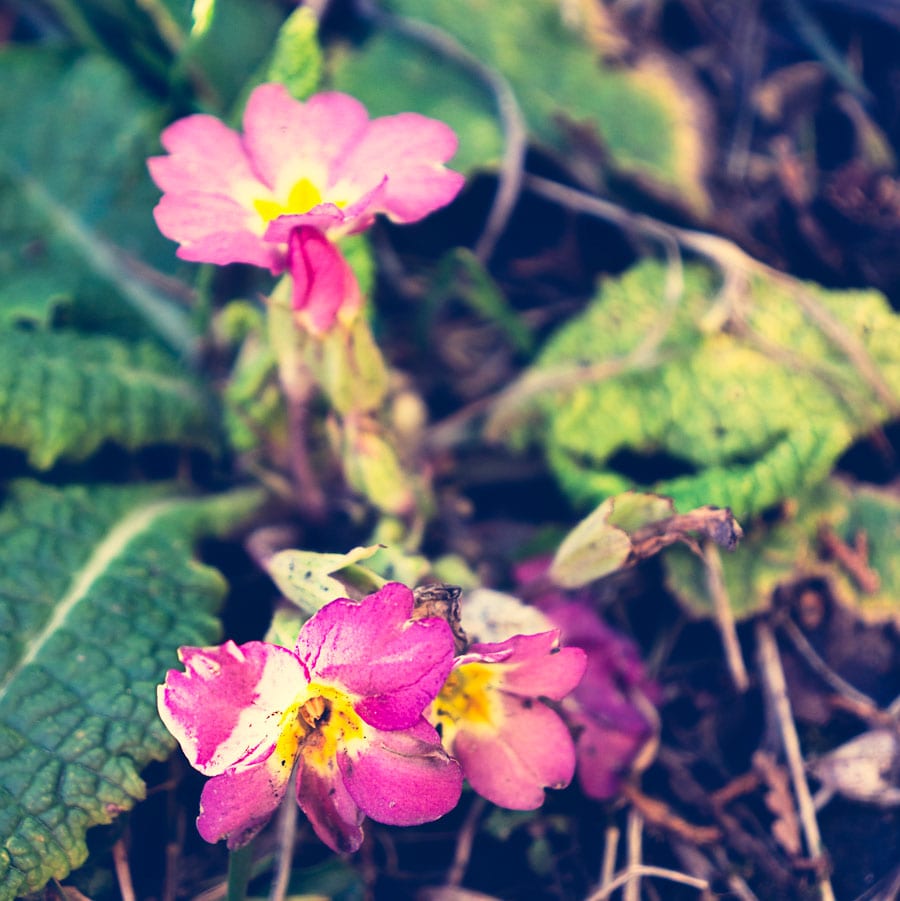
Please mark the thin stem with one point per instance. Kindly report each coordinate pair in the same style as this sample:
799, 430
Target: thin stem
287, 834
79, 25
240, 867
646, 870
464, 841
512, 120
123, 871
821, 668
724, 616
635, 835
772, 674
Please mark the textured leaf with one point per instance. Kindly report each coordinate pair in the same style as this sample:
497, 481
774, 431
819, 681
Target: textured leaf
792, 550
97, 590
68, 393
75, 196
751, 410
648, 119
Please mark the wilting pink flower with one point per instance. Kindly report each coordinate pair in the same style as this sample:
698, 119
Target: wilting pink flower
345, 705
510, 744
322, 165
612, 708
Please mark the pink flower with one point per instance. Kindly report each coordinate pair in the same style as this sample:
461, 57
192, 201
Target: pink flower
510, 744
321, 165
612, 709
345, 705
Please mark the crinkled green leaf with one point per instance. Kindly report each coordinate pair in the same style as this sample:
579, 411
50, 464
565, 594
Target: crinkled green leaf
97, 590
647, 118
75, 195
791, 551
63, 394
752, 409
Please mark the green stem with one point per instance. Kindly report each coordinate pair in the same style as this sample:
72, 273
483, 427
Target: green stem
78, 25
240, 866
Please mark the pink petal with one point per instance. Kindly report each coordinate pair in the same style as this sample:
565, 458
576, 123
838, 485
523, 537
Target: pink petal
604, 756
322, 217
204, 156
530, 750
237, 804
289, 140
372, 650
215, 229
536, 666
403, 778
331, 810
328, 218
409, 149
324, 283
227, 705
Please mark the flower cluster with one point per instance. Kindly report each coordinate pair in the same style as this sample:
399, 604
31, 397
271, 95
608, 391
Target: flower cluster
352, 710
300, 177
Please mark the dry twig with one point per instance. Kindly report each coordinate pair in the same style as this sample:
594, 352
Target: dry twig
123, 871
724, 617
772, 675
464, 841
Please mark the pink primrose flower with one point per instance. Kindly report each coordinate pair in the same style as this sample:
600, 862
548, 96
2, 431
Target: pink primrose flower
316, 166
611, 710
345, 705
510, 744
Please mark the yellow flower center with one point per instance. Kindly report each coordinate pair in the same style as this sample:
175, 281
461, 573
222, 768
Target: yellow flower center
468, 697
302, 197
315, 725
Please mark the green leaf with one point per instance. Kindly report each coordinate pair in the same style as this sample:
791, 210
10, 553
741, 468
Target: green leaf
753, 406
596, 547
460, 274
236, 41
68, 393
75, 196
648, 118
97, 590
31, 299
296, 60
306, 577
791, 551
